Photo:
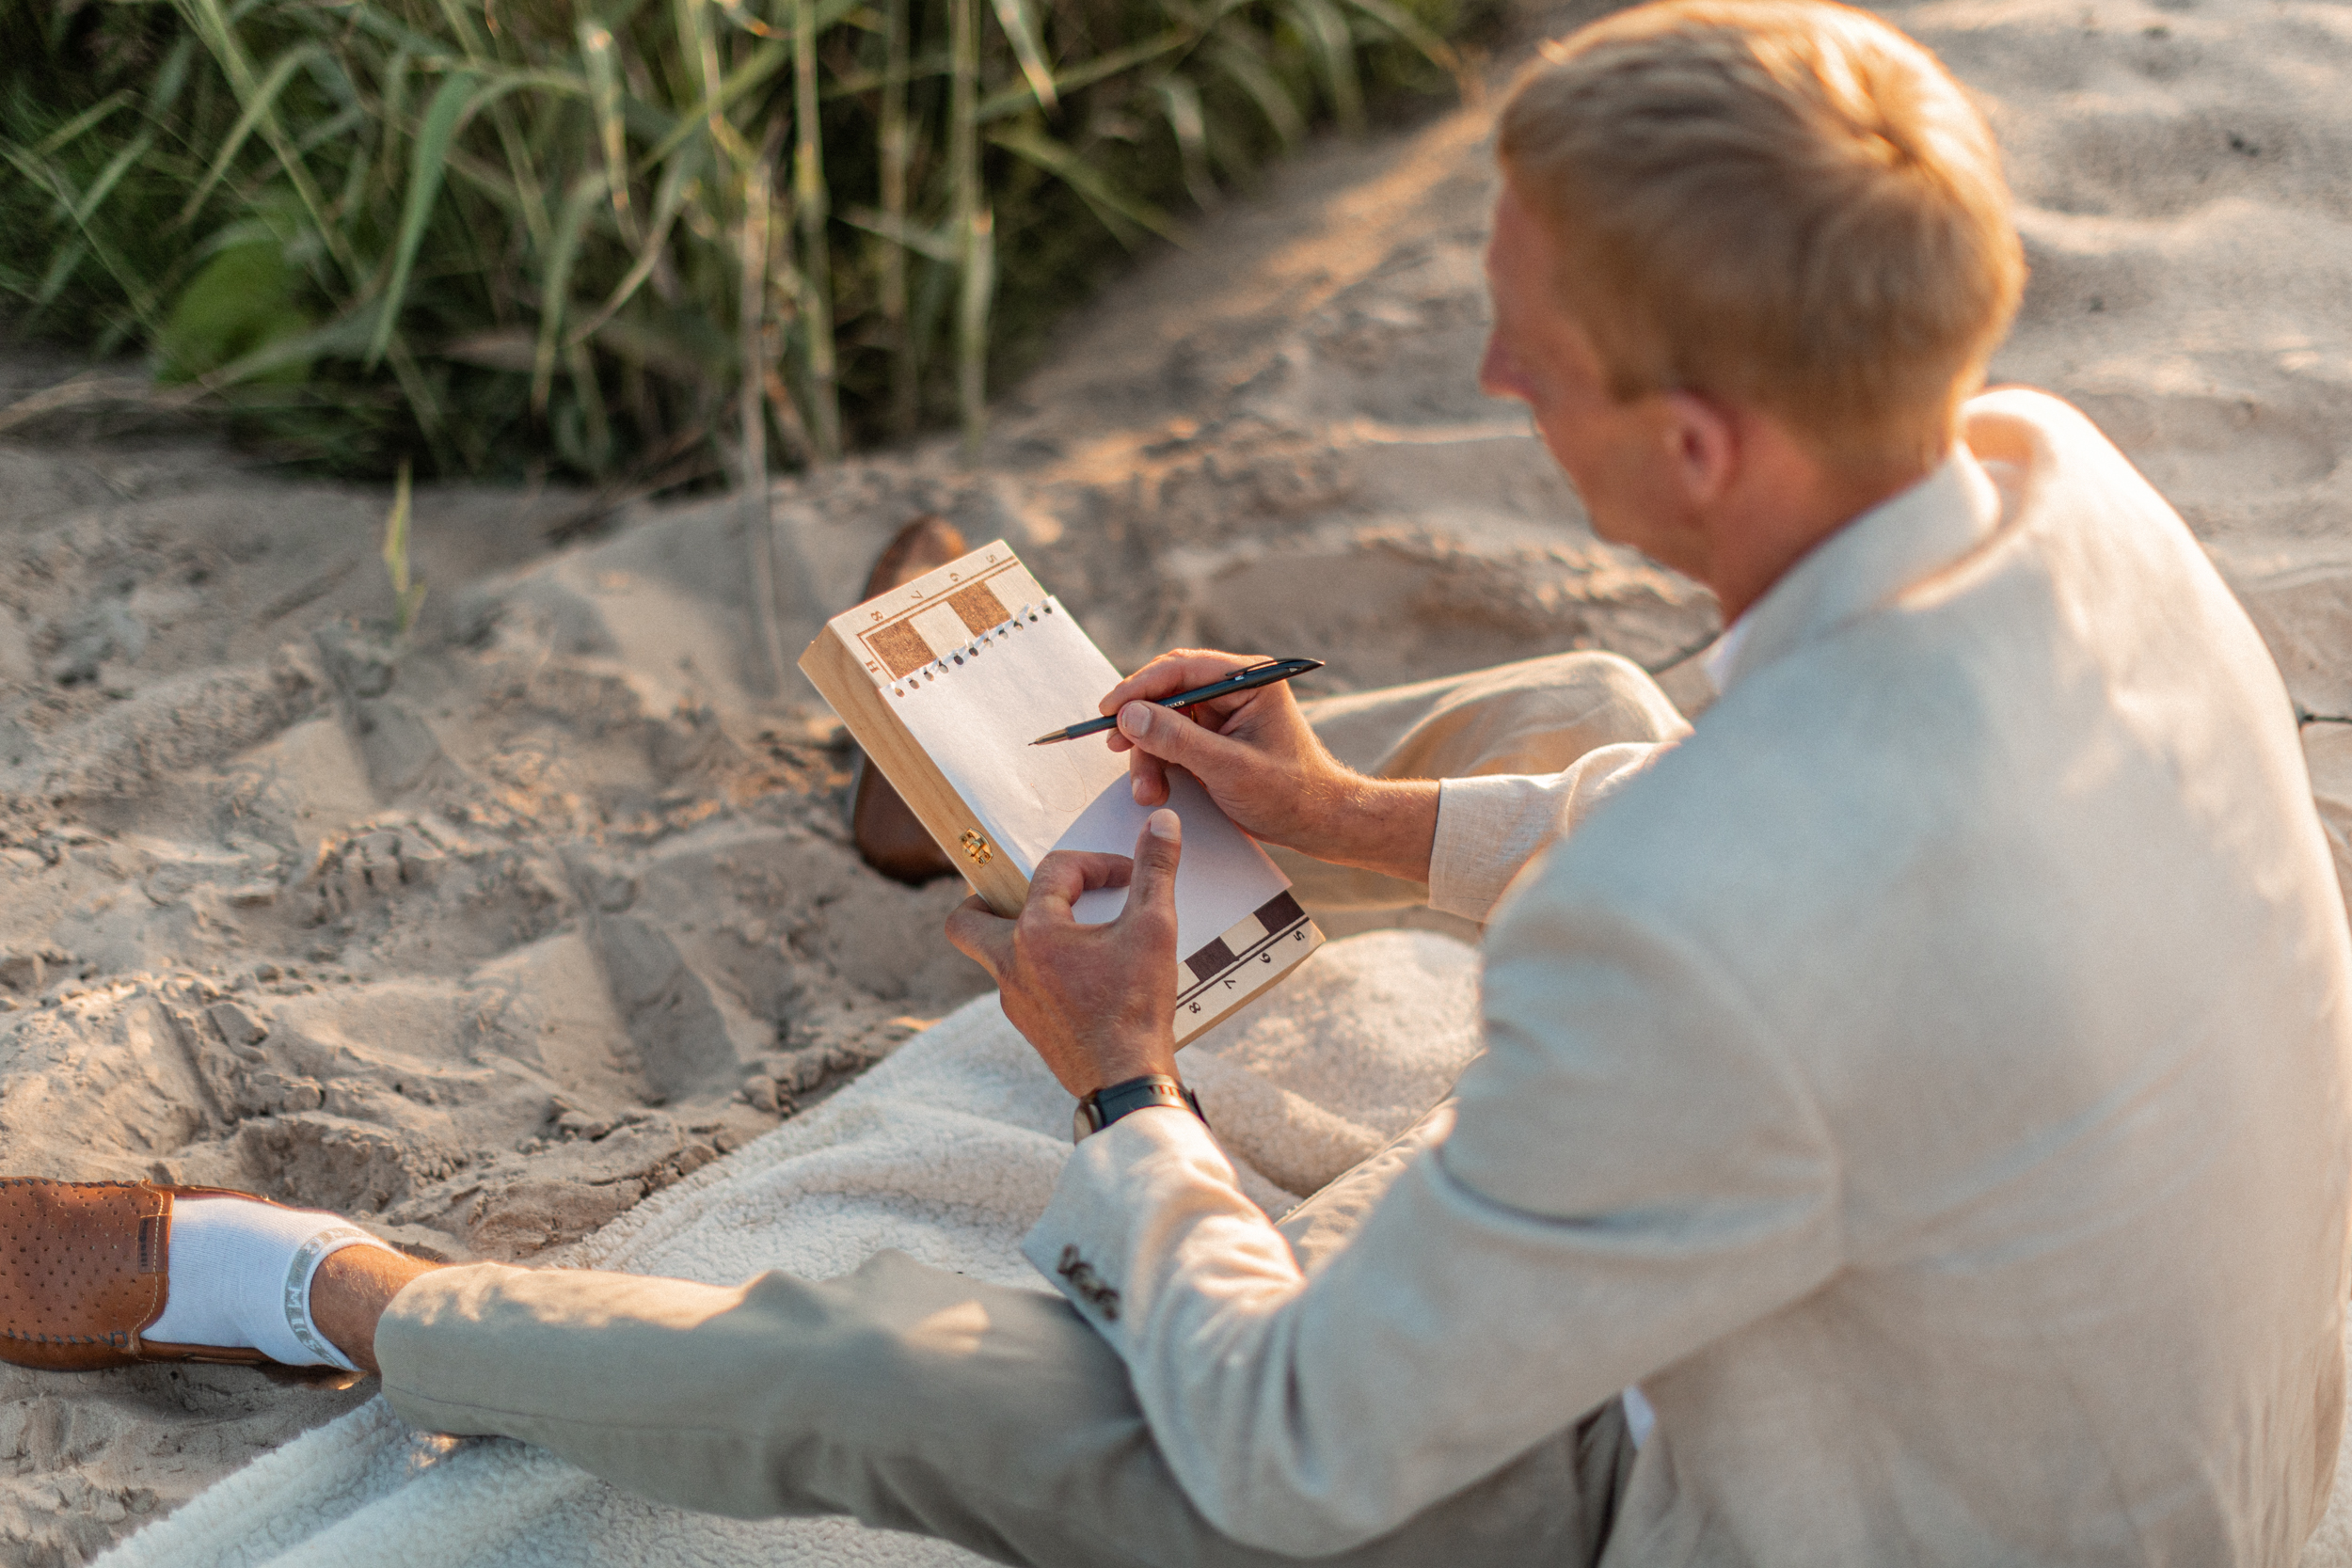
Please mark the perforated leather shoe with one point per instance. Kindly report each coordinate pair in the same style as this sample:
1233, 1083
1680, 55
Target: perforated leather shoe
85, 1267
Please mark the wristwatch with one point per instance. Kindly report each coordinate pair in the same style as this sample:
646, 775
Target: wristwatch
1111, 1102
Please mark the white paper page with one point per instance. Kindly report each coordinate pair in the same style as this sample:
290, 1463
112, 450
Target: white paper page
975, 721
1222, 877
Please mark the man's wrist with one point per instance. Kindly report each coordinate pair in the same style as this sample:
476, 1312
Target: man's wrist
1389, 826
1120, 1065
1110, 1102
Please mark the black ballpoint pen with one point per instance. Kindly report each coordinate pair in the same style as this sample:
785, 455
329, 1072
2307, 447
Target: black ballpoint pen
1247, 679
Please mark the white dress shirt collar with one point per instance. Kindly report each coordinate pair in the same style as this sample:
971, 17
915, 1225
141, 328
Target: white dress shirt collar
1862, 566
1724, 652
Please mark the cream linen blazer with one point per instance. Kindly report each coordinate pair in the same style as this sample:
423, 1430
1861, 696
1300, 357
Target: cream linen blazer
1926, 1081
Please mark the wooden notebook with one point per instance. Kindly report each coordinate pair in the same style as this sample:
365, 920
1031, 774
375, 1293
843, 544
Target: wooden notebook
946, 681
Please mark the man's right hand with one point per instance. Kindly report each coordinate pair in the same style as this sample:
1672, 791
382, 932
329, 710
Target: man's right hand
1257, 757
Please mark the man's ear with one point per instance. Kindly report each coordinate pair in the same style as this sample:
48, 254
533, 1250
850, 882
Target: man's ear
1703, 447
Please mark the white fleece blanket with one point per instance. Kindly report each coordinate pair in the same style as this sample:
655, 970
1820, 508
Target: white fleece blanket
949, 1152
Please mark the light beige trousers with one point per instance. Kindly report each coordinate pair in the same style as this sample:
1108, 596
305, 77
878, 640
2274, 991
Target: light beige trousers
918, 1400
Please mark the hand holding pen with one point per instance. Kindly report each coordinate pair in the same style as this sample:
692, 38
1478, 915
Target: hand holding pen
1240, 680
1256, 754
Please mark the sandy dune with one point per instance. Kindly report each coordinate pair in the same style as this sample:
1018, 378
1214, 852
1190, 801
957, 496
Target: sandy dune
488, 935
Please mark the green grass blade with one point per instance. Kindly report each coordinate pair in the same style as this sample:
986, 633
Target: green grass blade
809, 197
1334, 51
395, 551
857, 83
394, 31
460, 19
87, 244
431, 417
407, 594
522, 168
337, 130
1248, 71
580, 205
1020, 25
451, 105
345, 335
264, 99
220, 37
62, 267
122, 164
939, 245
1013, 100
974, 250
379, 128
171, 78
905, 393
972, 311
768, 59
701, 52
583, 370
604, 84
1181, 102
669, 201
74, 129
1409, 27
394, 114
733, 10
1121, 212
752, 357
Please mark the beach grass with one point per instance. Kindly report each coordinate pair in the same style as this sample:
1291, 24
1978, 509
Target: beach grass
630, 241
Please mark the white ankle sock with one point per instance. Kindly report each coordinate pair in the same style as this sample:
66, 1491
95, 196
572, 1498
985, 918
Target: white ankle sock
240, 1277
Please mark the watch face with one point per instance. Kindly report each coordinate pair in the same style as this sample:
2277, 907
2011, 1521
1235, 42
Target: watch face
1080, 1123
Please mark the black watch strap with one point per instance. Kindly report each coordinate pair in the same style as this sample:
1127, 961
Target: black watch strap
1111, 1102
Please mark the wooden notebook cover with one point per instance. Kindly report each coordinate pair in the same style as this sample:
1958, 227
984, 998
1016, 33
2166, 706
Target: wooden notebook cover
893, 636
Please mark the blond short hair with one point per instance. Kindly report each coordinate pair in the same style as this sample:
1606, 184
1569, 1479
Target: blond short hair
1783, 202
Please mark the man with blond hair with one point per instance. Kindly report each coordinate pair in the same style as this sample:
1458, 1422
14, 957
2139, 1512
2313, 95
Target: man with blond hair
1912, 1124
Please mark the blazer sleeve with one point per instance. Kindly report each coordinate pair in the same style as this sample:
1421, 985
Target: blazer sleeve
1630, 1173
1490, 826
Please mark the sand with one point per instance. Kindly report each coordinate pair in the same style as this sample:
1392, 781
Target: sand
485, 933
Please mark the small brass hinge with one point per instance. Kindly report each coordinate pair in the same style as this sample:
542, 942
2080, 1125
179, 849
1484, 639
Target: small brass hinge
977, 848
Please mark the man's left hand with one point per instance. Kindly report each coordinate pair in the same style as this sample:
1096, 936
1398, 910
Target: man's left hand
1098, 1002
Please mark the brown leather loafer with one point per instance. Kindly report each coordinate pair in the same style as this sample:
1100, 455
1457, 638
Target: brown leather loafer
886, 830
85, 1267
